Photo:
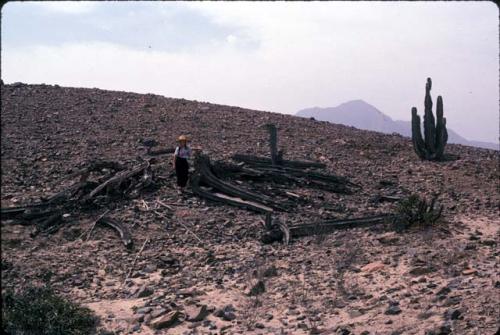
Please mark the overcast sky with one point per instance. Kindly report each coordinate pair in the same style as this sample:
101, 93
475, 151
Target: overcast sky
274, 56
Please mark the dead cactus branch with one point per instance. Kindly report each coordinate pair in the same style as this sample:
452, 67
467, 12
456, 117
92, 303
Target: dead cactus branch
120, 228
263, 161
281, 232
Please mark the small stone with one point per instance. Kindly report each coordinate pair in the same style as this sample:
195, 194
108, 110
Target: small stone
389, 238
158, 312
453, 314
302, 326
444, 291
229, 316
143, 310
149, 268
489, 243
144, 292
474, 238
343, 330
355, 313
226, 313
259, 325
270, 272
420, 270
372, 267
165, 321
393, 310
198, 315
468, 272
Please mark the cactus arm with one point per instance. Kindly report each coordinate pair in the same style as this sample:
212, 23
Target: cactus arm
416, 134
429, 123
445, 134
441, 132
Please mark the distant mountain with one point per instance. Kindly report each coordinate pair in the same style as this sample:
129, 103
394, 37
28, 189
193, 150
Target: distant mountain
362, 115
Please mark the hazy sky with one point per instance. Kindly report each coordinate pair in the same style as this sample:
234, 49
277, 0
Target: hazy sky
274, 56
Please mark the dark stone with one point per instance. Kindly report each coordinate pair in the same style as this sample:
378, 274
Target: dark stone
341, 330
444, 291
144, 292
420, 270
393, 310
226, 313
270, 272
453, 314
259, 325
229, 316
443, 330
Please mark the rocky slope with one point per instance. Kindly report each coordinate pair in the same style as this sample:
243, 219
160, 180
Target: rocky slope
360, 281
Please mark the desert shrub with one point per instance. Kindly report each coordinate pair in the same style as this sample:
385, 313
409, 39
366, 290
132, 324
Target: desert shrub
415, 211
39, 311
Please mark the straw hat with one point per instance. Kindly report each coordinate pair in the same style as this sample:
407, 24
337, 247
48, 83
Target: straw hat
182, 138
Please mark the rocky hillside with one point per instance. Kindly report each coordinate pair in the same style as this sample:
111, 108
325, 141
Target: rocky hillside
203, 269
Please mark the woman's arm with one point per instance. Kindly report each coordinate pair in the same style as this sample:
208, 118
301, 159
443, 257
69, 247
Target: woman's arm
175, 155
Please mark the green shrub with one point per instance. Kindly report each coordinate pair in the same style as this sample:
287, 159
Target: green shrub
39, 311
414, 211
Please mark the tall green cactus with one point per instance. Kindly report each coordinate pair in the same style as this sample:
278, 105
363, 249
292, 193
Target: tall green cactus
431, 147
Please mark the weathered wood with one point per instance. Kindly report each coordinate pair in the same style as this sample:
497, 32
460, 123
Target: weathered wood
121, 229
160, 151
263, 161
14, 212
97, 165
232, 201
280, 231
328, 226
202, 165
116, 180
273, 144
48, 225
67, 193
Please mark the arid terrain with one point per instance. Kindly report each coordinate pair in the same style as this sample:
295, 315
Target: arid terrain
204, 264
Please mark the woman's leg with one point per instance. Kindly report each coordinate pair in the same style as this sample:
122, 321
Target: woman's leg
182, 170
179, 171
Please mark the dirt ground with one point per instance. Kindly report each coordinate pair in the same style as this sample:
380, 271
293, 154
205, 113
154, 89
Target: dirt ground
205, 259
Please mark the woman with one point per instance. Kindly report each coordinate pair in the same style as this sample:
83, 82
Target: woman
181, 166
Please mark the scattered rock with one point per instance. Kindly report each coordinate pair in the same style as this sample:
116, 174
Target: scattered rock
199, 314
143, 310
468, 272
226, 313
158, 312
144, 291
443, 291
420, 270
270, 272
165, 321
389, 238
453, 314
372, 267
393, 310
